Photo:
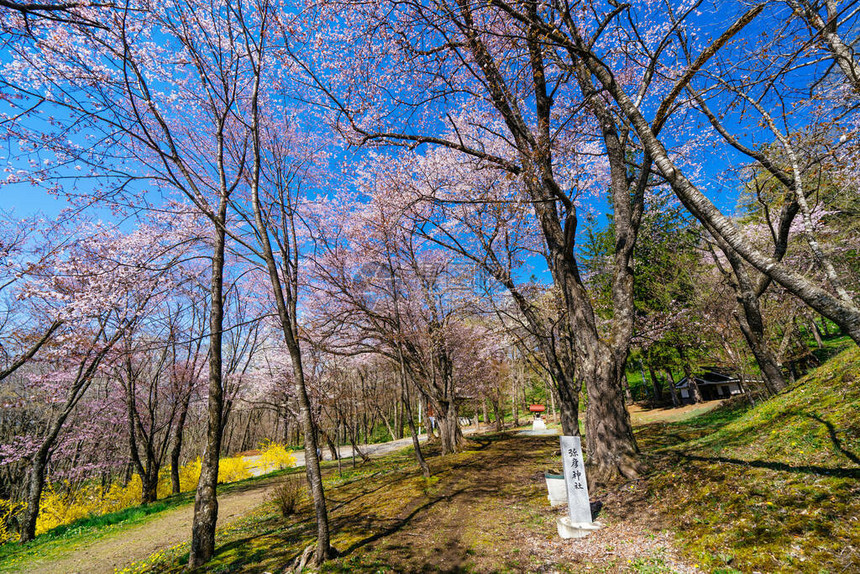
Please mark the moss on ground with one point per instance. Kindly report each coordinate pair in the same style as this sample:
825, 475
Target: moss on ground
770, 488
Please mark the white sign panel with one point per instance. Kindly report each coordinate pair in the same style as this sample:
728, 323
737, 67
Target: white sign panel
578, 506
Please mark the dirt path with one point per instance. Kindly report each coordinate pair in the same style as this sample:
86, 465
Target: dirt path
168, 529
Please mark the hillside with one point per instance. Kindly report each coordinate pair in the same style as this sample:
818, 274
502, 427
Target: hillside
772, 488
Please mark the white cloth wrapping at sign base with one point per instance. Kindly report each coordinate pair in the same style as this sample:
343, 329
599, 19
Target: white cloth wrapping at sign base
578, 523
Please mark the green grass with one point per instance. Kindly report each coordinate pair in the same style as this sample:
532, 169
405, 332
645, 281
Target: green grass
774, 487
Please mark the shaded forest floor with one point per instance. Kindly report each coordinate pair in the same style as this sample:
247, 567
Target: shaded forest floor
770, 488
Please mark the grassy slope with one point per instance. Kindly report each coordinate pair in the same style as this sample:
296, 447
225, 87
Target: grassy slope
773, 488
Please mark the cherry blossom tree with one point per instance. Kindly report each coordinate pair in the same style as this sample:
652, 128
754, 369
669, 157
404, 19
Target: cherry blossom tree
146, 97
24, 249
512, 109
100, 287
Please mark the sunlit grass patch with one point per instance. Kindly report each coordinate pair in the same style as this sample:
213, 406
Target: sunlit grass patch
774, 488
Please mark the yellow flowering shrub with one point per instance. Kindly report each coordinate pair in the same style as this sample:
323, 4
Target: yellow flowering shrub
189, 475
60, 506
232, 469
275, 456
7, 509
56, 509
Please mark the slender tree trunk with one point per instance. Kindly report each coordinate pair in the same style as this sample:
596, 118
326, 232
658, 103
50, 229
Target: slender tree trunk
205, 499
176, 448
644, 378
676, 401
419, 455
751, 321
628, 396
39, 460
655, 383
515, 397
332, 448
497, 416
815, 333
312, 465
287, 430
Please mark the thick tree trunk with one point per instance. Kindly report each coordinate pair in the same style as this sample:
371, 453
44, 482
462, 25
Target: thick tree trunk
35, 486
612, 450
568, 407
149, 484
449, 427
764, 356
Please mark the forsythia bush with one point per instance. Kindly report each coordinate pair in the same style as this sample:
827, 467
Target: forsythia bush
7, 509
232, 469
274, 456
189, 474
56, 509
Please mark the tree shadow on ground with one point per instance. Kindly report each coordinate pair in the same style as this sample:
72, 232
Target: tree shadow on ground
778, 466
837, 444
396, 526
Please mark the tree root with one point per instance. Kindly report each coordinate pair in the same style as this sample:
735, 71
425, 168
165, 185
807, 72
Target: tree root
301, 561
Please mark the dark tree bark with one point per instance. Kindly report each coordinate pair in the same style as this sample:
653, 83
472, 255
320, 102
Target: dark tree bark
676, 401
748, 315
655, 383
176, 448
205, 500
